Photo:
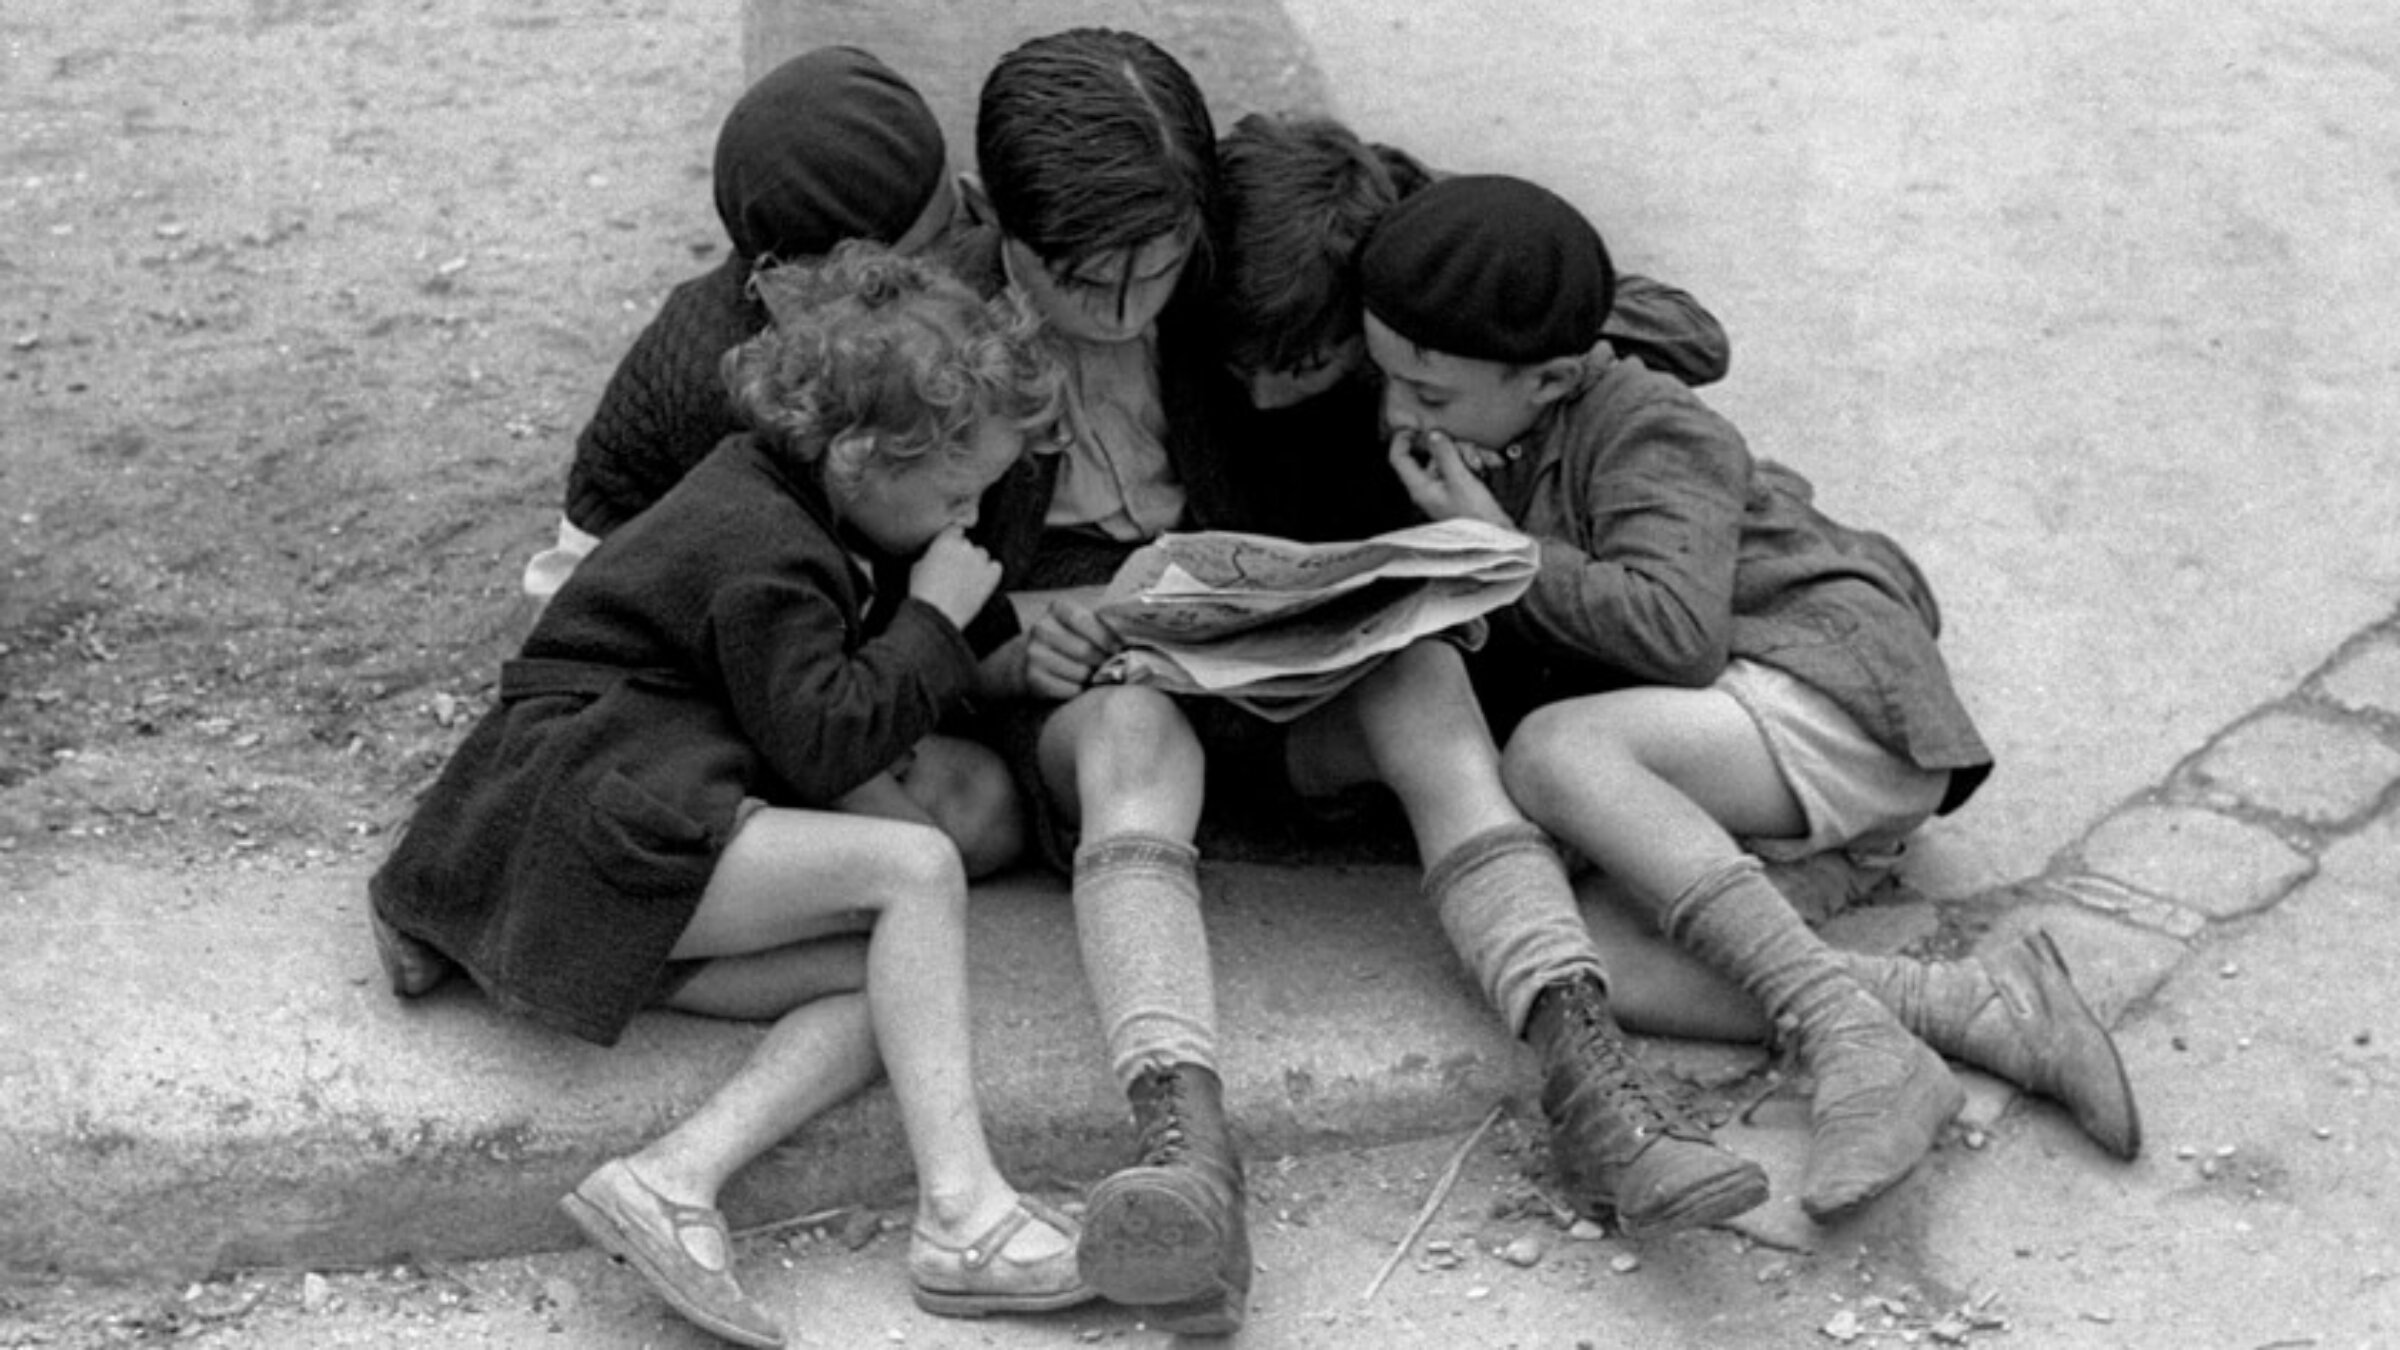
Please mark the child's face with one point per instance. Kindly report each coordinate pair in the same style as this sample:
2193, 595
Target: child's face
899, 508
1113, 297
1486, 404
1313, 375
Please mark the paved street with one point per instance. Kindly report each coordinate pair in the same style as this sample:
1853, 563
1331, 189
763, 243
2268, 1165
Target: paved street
2091, 306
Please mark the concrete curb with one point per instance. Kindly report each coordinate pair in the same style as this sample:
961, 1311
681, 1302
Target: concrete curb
184, 1093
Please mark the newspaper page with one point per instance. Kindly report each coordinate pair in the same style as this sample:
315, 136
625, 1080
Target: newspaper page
1280, 627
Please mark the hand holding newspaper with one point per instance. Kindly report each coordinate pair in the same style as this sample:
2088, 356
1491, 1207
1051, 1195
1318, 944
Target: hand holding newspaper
1280, 627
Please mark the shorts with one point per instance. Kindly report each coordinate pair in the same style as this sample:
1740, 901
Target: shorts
1252, 812
1856, 796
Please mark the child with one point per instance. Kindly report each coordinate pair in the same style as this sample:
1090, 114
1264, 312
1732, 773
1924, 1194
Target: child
1098, 155
643, 819
1718, 662
1300, 195
830, 145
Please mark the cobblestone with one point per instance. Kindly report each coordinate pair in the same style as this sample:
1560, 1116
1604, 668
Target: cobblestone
2368, 678
2213, 863
2325, 773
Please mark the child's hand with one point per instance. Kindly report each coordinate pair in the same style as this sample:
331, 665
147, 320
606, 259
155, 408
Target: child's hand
1065, 647
1441, 480
955, 576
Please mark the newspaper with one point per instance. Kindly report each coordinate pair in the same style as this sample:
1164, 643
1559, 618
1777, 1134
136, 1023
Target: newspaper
1279, 627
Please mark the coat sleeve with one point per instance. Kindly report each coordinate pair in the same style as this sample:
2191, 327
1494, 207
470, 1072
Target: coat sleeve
827, 707
1668, 330
1637, 574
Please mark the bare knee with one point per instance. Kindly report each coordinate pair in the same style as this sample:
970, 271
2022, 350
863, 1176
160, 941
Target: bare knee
971, 796
1133, 740
1559, 747
921, 868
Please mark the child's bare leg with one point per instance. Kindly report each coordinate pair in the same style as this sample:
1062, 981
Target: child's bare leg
960, 788
1654, 785
1168, 1233
789, 875
1503, 899
788, 882
1658, 989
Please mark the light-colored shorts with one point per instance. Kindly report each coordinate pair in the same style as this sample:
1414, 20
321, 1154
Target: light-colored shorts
1858, 797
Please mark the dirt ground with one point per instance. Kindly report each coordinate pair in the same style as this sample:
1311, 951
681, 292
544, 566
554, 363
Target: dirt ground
301, 305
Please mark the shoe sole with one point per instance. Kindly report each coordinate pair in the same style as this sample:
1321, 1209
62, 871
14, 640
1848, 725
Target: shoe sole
605, 1234
1736, 1193
942, 1303
1143, 1246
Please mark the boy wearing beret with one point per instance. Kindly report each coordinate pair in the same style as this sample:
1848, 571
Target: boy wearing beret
1715, 671
1301, 194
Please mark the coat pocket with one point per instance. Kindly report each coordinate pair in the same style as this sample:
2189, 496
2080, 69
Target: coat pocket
642, 844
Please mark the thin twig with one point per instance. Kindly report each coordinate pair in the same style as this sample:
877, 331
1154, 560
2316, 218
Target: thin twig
1433, 1205
816, 1220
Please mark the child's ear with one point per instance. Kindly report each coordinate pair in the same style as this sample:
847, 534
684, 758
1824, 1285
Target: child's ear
972, 197
1556, 378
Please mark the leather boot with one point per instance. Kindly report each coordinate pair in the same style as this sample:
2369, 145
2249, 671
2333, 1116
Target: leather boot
2015, 1012
1169, 1234
1880, 1096
1619, 1141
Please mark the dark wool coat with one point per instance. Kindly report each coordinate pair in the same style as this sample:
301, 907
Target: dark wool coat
723, 645
665, 406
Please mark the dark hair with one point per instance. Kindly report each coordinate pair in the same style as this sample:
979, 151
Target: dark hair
896, 347
1094, 141
1300, 196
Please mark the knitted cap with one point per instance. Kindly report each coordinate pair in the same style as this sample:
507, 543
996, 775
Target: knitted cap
1490, 268
830, 145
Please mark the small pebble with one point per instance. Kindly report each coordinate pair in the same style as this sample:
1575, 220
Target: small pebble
2323, 1132
2228, 971
2186, 1152
1585, 1230
1523, 1251
1625, 1263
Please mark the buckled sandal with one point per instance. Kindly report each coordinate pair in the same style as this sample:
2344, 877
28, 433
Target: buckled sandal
980, 1279
619, 1212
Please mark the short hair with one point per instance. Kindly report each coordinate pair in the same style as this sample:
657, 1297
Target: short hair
1094, 141
1301, 195
898, 347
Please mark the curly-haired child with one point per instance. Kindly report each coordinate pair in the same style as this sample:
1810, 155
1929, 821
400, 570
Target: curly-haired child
642, 821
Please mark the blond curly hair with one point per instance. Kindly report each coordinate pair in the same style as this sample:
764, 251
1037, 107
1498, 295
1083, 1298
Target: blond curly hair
898, 348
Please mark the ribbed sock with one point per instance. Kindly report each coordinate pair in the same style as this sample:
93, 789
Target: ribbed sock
1145, 951
1504, 901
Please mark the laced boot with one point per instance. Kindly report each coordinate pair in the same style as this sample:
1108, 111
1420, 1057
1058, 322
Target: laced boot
1619, 1140
1168, 1234
2015, 1012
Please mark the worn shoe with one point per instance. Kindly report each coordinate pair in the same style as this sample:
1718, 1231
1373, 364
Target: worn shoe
981, 1278
2015, 1012
1619, 1141
1168, 1234
684, 1251
1880, 1100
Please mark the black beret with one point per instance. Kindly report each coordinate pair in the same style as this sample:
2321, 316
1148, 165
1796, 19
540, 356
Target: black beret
830, 145
1490, 268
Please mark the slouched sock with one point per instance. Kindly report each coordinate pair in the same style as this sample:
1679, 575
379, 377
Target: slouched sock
1145, 952
1504, 900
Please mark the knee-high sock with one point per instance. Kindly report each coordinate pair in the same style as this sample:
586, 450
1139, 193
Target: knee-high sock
1734, 918
1145, 951
1505, 903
